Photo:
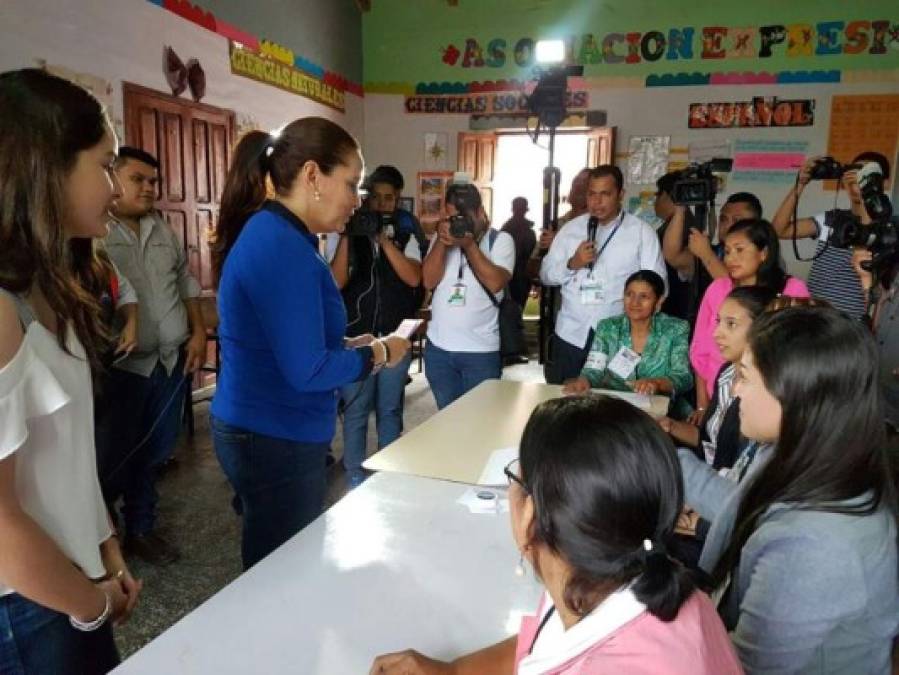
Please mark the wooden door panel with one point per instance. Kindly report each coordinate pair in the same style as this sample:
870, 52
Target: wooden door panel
172, 162
200, 145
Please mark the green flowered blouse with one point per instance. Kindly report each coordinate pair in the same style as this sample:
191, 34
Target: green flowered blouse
666, 354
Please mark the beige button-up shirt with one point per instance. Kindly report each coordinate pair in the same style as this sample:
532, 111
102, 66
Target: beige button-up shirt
155, 264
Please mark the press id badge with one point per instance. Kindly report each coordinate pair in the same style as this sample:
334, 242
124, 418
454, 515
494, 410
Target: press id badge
592, 292
625, 363
457, 295
596, 361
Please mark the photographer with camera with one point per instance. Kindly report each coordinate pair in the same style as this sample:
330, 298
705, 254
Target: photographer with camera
377, 266
591, 258
831, 276
468, 267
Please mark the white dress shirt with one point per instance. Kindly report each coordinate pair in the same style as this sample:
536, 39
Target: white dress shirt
634, 246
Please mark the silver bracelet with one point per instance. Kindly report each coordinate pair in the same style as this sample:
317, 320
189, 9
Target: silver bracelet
96, 623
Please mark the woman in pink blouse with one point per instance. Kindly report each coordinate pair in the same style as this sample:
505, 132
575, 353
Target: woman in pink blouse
614, 602
752, 258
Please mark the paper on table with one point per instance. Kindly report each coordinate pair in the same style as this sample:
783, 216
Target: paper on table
641, 401
493, 471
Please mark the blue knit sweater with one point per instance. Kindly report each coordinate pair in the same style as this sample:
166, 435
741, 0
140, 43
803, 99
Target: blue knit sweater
281, 329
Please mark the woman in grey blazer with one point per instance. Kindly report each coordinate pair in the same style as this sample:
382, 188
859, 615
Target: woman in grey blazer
802, 548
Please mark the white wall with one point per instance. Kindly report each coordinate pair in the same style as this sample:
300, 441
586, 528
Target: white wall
394, 137
122, 40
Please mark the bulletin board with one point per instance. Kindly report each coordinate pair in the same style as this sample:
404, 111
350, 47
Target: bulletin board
860, 123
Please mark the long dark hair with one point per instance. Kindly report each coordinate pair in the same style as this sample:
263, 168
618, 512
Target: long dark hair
760, 232
821, 366
604, 478
45, 122
754, 299
259, 155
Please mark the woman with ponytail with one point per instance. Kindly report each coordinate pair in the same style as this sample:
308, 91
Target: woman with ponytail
593, 501
802, 545
282, 324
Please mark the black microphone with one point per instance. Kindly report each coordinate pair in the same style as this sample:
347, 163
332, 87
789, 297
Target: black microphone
592, 224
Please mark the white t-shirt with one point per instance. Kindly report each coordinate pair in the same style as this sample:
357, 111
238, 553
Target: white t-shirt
46, 420
474, 326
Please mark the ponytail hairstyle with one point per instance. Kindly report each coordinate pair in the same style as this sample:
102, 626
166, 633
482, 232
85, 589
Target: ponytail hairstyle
607, 491
821, 366
45, 122
279, 158
763, 237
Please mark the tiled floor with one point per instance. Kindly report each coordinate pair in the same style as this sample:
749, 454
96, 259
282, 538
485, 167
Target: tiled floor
195, 513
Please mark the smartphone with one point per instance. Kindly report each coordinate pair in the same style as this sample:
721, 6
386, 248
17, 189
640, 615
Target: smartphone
121, 357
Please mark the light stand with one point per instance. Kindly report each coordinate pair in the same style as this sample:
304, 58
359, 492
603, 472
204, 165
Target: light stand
548, 102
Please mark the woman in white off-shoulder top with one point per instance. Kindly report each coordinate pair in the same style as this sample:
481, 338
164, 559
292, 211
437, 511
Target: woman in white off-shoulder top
63, 581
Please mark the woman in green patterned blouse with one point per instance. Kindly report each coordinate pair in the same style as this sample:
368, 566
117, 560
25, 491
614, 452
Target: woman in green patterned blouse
641, 350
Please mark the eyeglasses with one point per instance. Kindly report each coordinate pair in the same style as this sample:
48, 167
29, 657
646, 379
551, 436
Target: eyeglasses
511, 471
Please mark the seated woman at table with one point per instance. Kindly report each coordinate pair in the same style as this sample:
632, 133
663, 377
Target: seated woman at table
803, 545
752, 258
717, 438
641, 350
615, 602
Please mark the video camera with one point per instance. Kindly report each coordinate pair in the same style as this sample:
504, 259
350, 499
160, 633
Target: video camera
466, 199
881, 237
367, 223
697, 184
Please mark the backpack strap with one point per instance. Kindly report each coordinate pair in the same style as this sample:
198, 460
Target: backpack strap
26, 315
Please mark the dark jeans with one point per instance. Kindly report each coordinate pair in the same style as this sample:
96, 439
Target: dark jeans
280, 485
565, 361
138, 420
35, 640
452, 374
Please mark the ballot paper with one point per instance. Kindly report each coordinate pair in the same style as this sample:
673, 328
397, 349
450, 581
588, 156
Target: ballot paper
407, 327
641, 401
484, 500
493, 473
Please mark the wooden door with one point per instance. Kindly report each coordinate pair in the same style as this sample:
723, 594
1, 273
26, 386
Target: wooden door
193, 145
601, 146
477, 158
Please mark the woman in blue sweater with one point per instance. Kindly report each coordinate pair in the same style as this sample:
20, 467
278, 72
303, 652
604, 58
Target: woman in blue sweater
282, 325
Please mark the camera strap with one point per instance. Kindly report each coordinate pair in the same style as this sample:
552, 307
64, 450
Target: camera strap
492, 235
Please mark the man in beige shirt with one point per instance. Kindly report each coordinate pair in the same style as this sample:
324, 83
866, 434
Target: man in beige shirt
146, 388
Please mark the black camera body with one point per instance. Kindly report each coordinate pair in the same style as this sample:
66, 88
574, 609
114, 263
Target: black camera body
827, 168
366, 223
460, 224
466, 199
697, 184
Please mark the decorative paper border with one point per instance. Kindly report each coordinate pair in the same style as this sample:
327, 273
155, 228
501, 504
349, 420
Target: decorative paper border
206, 19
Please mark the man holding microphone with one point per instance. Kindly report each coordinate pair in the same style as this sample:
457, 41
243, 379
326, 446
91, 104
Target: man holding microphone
590, 258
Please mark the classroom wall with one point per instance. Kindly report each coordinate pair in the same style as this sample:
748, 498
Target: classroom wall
123, 40
632, 94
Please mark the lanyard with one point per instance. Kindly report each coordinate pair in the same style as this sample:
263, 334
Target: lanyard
540, 628
608, 239
463, 259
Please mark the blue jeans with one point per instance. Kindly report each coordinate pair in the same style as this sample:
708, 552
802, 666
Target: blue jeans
35, 640
452, 374
382, 392
138, 421
280, 485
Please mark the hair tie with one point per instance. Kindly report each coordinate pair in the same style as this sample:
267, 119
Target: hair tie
653, 548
